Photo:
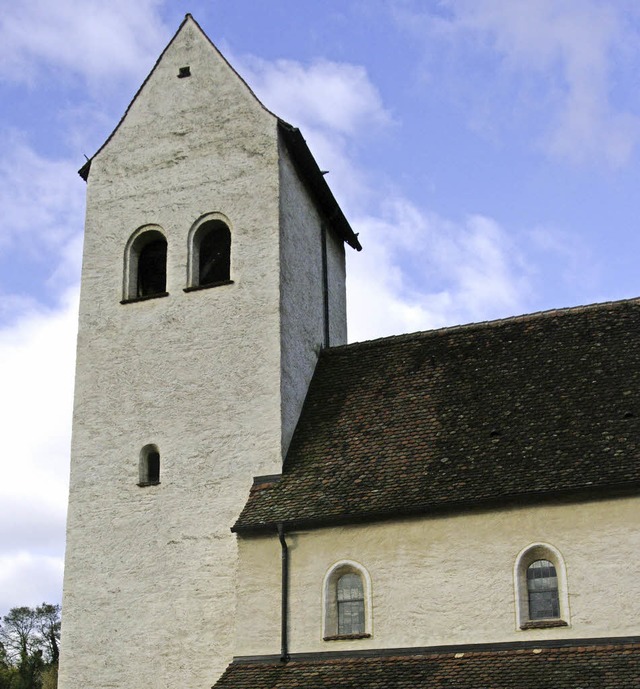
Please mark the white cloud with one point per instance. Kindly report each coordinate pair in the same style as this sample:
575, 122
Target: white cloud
41, 199
90, 38
43, 207
334, 104
420, 271
42, 203
36, 369
568, 48
322, 95
29, 579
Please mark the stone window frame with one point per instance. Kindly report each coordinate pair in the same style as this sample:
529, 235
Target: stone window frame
526, 557
144, 477
193, 258
330, 601
140, 238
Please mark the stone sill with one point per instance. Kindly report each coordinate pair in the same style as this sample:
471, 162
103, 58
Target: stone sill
149, 296
196, 288
543, 624
144, 484
346, 637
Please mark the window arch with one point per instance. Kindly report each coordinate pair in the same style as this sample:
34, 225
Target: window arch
542, 598
347, 602
209, 252
149, 466
145, 264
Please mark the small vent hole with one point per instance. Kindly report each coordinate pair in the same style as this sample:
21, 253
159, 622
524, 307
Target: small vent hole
184, 72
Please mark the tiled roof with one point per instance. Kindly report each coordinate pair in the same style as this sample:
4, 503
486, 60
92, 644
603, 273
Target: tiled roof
587, 667
523, 408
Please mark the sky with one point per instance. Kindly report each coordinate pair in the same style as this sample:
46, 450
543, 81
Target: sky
486, 151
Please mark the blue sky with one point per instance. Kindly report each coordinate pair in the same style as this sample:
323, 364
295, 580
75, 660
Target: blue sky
485, 150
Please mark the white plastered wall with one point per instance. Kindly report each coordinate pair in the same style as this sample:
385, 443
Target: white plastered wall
302, 298
447, 580
150, 572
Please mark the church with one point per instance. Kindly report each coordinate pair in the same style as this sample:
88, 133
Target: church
256, 504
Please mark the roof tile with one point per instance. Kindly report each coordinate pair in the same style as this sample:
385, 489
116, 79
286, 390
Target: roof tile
589, 667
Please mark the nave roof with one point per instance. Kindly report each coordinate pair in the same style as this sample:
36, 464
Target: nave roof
526, 408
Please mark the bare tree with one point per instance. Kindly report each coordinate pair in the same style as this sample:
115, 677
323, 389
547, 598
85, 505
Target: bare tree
18, 634
29, 647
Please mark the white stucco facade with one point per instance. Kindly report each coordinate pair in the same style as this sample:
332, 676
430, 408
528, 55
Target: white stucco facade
210, 377
447, 580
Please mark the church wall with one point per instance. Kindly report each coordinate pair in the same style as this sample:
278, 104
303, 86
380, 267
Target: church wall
448, 580
302, 299
150, 571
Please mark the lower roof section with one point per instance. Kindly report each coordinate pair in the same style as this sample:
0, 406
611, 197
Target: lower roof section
570, 664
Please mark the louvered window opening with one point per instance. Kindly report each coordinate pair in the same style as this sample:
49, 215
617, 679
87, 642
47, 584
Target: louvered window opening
350, 597
542, 586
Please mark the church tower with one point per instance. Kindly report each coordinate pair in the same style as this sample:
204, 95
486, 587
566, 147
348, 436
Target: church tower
213, 274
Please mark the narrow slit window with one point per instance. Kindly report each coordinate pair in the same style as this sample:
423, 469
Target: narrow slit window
350, 600
149, 467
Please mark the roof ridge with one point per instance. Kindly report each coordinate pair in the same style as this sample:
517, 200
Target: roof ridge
534, 315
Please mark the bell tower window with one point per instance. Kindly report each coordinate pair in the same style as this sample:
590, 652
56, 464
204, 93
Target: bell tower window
209, 252
152, 269
145, 265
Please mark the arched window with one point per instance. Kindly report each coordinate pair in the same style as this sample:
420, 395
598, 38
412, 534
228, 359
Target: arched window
541, 588
145, 264
209, 252
347, 602
152, 268
149, 466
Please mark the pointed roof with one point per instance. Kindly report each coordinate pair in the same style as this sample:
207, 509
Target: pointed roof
296, 145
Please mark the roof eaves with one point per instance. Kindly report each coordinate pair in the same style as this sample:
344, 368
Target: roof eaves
308, 168
571, 495
449, 649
